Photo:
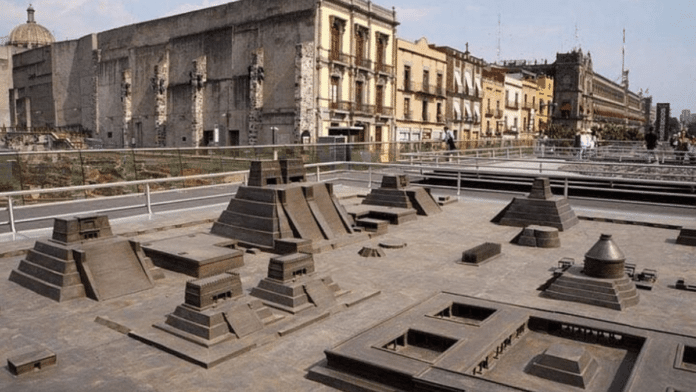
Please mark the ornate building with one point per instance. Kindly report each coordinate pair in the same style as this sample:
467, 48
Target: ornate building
421, 96
242, 73
584, 99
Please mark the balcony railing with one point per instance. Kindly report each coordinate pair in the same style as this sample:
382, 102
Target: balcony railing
529, 106
384, 68
340, 105
408, 115
490, 113
364, 108
425, 116
466, 92
409, 85
512, 105
339, 57
385, 111
441, 118
498, 113
363, 63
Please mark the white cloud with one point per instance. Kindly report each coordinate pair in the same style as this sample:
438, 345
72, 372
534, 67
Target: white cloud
414, 14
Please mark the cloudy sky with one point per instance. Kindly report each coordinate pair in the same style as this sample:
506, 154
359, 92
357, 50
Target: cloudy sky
660, 34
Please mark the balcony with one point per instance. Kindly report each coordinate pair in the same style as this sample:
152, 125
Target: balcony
489, 112
363, 108
512, 105
408, 115
529, 106
343, 106
384, 111
384, 69
441, 118
498, 113
426, 116
336, 57
409, 85
363, 63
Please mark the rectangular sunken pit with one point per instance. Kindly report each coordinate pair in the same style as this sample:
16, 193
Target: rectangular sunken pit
464, 313
419, 345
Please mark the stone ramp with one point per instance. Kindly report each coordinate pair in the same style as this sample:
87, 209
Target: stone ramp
112, 270
324, 211
422, 201
299, 214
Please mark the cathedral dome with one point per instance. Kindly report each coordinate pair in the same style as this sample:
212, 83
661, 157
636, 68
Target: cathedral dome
30, 34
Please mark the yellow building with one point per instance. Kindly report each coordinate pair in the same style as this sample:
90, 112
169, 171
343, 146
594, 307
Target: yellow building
493, 80
356, 60
545, 99
420, 92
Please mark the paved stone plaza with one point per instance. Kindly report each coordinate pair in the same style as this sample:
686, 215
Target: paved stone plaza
94, 353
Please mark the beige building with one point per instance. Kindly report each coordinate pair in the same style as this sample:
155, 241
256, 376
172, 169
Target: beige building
464, 93
512, 114
420, 95
493, 101
529, 107
356, 61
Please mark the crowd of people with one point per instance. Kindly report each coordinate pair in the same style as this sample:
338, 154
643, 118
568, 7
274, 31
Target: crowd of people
684, 147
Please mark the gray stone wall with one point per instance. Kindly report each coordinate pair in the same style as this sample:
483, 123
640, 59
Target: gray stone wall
198, 80
305, 103
5, 85
256, 80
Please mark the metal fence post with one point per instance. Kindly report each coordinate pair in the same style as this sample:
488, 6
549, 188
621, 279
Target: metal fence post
540, 167
318, 177
459, 182
565, 188
10, 212
369, 178
148, 201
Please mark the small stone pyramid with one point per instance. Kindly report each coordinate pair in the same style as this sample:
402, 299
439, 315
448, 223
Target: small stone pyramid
540, 208
601, 282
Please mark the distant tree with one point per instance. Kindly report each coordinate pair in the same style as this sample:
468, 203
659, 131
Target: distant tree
556, 131
618, 132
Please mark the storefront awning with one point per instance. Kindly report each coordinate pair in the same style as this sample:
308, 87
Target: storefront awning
457, 110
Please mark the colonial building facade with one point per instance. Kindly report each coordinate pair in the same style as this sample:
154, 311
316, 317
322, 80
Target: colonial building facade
584, 99
464, 92
243, 73
421, 96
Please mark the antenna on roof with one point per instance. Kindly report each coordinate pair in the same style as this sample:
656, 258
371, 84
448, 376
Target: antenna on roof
499, 34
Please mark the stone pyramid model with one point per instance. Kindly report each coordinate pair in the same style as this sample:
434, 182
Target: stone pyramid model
395, 191
280, 211
601, 282
83, 258
540, 208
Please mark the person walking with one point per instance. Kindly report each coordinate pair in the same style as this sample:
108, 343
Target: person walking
448, 138
651, 144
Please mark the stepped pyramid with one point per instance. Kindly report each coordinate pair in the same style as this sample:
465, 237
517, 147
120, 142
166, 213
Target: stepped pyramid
279, 211
292, 285
214, 311
84, 258
540, 208
601, 282
395, 191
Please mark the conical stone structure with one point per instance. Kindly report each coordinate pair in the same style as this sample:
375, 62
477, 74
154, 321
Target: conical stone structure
601, 282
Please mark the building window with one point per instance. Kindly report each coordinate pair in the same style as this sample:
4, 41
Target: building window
379, 97
439, 82
439, 112
337, 28
426, 80
334, 93
382, 41
359, 92
407, 108
361, 35
407, 78
424, 114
